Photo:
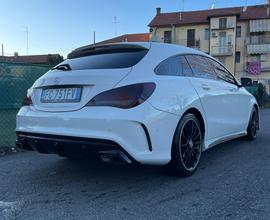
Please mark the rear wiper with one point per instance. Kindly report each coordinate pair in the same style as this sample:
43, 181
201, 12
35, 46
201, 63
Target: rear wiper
63, 67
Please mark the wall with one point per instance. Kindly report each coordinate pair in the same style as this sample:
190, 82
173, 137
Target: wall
231, 22
179, 35
229, 58
240, 68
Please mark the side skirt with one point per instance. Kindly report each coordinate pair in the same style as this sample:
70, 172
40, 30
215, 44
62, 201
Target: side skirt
224, 139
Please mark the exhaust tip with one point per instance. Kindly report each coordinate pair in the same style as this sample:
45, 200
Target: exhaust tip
114, 156
23, 144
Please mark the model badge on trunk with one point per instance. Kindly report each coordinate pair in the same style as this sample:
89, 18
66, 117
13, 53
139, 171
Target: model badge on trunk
56, 81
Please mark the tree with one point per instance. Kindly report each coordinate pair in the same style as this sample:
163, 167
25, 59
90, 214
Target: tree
261, 94
54, 59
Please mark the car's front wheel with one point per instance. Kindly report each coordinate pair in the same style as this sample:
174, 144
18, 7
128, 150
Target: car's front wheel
253, 125
187, 146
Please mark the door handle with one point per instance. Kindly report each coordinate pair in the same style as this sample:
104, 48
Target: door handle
231, 89
205, 87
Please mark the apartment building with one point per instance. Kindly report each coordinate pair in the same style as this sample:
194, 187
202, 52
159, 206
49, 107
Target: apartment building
239, 37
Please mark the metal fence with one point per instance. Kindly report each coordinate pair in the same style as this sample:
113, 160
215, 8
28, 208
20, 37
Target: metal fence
15, 79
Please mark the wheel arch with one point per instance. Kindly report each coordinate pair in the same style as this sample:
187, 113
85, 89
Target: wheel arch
200, 118
256, 107
258, 112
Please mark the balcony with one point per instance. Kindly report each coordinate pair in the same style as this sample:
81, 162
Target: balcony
259, 44
259, 25
258, 48
226, 50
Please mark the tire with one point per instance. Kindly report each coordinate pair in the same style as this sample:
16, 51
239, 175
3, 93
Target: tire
187, 146
253, 125
68, 157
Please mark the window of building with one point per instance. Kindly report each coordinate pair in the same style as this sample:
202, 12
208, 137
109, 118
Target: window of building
238, 31
263, 57
222, 23
168, 37
174, 66
237, 56
200, 67
191, 38
206, 34
258, 38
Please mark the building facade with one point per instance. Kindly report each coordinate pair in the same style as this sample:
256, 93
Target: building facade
239, 37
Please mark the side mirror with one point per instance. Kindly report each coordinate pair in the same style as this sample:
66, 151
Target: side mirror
239, 85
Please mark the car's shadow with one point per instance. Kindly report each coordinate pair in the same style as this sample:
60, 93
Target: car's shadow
76, 170
82, 179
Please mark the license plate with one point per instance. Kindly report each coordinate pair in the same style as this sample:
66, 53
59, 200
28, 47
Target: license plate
70, 94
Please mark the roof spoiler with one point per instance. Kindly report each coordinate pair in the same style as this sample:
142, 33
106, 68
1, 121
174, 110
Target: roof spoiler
104, 49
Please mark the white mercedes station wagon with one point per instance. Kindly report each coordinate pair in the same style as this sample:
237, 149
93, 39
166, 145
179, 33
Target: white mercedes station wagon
150, 103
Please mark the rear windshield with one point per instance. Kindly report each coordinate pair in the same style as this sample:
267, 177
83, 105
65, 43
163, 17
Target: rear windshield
107, 60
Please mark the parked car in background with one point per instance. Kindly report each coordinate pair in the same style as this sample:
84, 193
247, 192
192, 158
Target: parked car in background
149, 103
248, 84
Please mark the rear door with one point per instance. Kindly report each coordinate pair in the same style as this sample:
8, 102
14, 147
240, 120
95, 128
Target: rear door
87, 72
214, 97
239, 113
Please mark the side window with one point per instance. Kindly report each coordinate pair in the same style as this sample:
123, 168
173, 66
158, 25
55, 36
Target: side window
174, 66
200, 67
222, 73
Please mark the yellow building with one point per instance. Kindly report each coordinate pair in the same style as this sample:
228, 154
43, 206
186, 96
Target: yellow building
239, 37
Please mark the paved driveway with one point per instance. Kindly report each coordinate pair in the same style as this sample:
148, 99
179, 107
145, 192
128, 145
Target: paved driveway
233, 182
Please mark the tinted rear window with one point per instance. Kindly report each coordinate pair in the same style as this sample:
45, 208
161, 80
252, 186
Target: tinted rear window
174, 66
113, 60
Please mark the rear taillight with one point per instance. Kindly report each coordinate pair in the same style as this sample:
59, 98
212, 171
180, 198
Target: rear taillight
27, 101
124, 97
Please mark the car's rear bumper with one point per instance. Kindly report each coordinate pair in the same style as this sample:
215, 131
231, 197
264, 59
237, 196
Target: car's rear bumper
74, 147
143, 133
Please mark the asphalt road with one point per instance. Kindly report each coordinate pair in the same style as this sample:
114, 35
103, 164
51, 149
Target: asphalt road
233, 182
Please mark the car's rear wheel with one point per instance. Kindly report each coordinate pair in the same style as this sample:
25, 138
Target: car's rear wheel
69, 157
253, 125
187, 146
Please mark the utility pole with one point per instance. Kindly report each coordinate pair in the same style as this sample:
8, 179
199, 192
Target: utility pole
27, 45
2, 50
183, 5
94, 37
182, 9
115, 22
213, 4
